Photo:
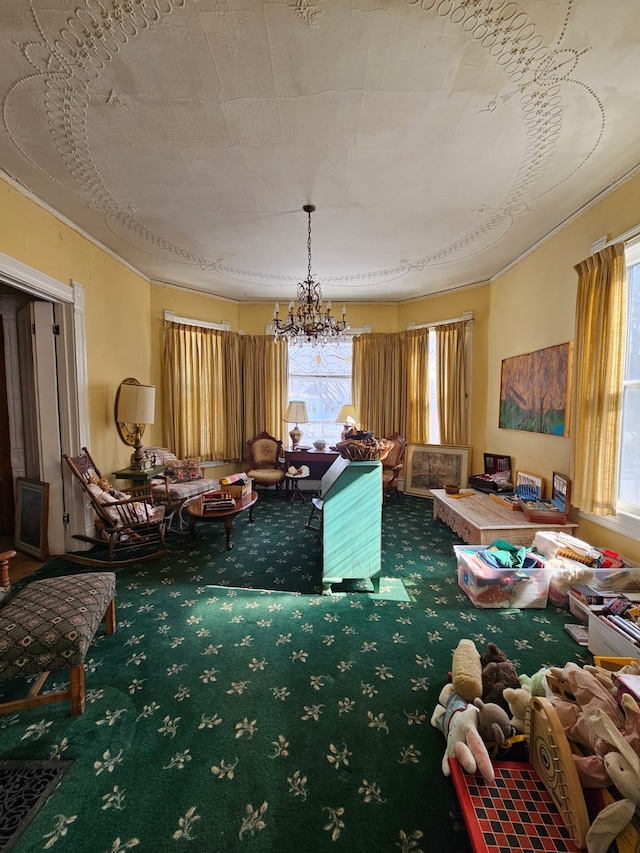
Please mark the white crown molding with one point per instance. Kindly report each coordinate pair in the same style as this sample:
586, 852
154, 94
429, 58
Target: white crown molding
69, 223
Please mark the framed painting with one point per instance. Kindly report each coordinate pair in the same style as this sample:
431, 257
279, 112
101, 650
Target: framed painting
535, 391
431, 466
32, 513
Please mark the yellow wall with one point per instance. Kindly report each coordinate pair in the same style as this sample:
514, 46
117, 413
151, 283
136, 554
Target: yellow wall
533, 306
116, 304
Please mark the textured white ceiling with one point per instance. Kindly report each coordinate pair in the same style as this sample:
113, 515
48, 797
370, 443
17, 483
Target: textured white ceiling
438, 139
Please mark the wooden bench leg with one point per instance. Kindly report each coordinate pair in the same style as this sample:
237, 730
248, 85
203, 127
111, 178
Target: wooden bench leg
109, 618
76, 689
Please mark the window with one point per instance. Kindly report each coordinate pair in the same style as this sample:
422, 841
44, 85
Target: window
629, 464
321, 376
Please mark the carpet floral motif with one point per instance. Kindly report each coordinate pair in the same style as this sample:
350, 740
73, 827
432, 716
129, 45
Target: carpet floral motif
237, 709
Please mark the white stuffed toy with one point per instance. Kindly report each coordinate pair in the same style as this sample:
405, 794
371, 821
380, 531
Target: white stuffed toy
458, 721
623, 766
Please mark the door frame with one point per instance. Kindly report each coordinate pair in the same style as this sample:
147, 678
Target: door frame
73, 398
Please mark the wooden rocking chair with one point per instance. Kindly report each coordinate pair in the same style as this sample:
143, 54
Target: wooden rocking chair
128, 525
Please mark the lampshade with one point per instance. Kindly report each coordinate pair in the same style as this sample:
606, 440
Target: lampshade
347, 415
136, 404
296, 412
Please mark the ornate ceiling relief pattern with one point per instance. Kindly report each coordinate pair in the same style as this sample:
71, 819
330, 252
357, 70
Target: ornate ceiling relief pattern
75, 74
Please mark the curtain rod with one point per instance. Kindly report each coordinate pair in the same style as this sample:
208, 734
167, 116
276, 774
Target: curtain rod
170, 317
466, 316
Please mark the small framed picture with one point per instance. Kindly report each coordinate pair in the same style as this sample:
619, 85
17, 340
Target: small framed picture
32, 514
432, 466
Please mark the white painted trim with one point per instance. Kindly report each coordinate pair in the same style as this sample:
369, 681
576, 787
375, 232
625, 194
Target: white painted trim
170, 317
622, 524
73, 399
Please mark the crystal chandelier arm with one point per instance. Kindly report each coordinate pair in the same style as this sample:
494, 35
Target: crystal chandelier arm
309, 322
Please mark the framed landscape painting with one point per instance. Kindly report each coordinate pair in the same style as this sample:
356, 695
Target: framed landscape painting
430, 466
535, 391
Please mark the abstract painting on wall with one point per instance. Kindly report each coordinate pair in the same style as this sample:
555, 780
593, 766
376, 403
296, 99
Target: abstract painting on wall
535, 391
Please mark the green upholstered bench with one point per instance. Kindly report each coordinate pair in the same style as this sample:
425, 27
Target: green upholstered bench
48, 625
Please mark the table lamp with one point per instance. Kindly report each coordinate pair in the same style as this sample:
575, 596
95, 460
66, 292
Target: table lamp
347, 416
136, 406
297, 414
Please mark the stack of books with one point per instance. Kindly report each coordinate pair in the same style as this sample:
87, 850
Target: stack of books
589, 595
212, 501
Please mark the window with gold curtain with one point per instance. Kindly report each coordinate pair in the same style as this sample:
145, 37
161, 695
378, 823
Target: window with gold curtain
597, 380
220, 389
390, 382
451, 341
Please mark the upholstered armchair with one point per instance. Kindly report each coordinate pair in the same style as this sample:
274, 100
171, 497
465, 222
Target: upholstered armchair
392, 465
265, 467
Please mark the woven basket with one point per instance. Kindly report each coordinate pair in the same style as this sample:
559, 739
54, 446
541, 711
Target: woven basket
365, 450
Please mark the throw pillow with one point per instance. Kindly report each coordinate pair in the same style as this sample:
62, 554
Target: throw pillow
184, 470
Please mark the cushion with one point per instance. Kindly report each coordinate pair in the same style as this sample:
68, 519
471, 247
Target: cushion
50, 623
141, 510
183, 470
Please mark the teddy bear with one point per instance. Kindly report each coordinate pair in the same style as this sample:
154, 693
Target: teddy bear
497, 673
518, 699
461, 723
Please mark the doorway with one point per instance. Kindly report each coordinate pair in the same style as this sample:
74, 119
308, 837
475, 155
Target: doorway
20, 284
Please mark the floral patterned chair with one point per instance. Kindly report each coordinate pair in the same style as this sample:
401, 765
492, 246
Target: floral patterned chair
265, 467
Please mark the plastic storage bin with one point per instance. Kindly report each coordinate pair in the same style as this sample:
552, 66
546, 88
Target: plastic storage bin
488, 587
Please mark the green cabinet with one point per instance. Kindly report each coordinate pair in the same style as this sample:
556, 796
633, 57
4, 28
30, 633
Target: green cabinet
351, 523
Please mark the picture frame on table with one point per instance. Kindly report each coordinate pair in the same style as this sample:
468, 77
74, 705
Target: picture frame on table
431, 466
32, 515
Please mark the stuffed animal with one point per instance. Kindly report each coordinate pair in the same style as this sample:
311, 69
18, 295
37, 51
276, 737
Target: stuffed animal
497, 673
466, 671
518, 700
623, 767
537, 682
494, 725
458, 721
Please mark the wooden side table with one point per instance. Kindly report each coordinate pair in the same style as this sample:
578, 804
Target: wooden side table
137, 477
224, 516
292, 483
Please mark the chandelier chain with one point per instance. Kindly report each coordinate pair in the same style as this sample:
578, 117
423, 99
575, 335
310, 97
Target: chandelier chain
308, 322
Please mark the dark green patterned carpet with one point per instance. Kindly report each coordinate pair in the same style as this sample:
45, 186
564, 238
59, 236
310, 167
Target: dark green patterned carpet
235, 709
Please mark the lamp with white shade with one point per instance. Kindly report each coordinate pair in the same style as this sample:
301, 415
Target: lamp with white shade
296, 414
135, 407
347, 416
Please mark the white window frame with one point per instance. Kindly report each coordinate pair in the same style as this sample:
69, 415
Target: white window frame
623, 523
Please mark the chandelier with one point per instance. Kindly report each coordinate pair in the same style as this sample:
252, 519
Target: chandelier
307, 322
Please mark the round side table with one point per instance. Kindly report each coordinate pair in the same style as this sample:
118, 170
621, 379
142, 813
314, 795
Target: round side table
292, 483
